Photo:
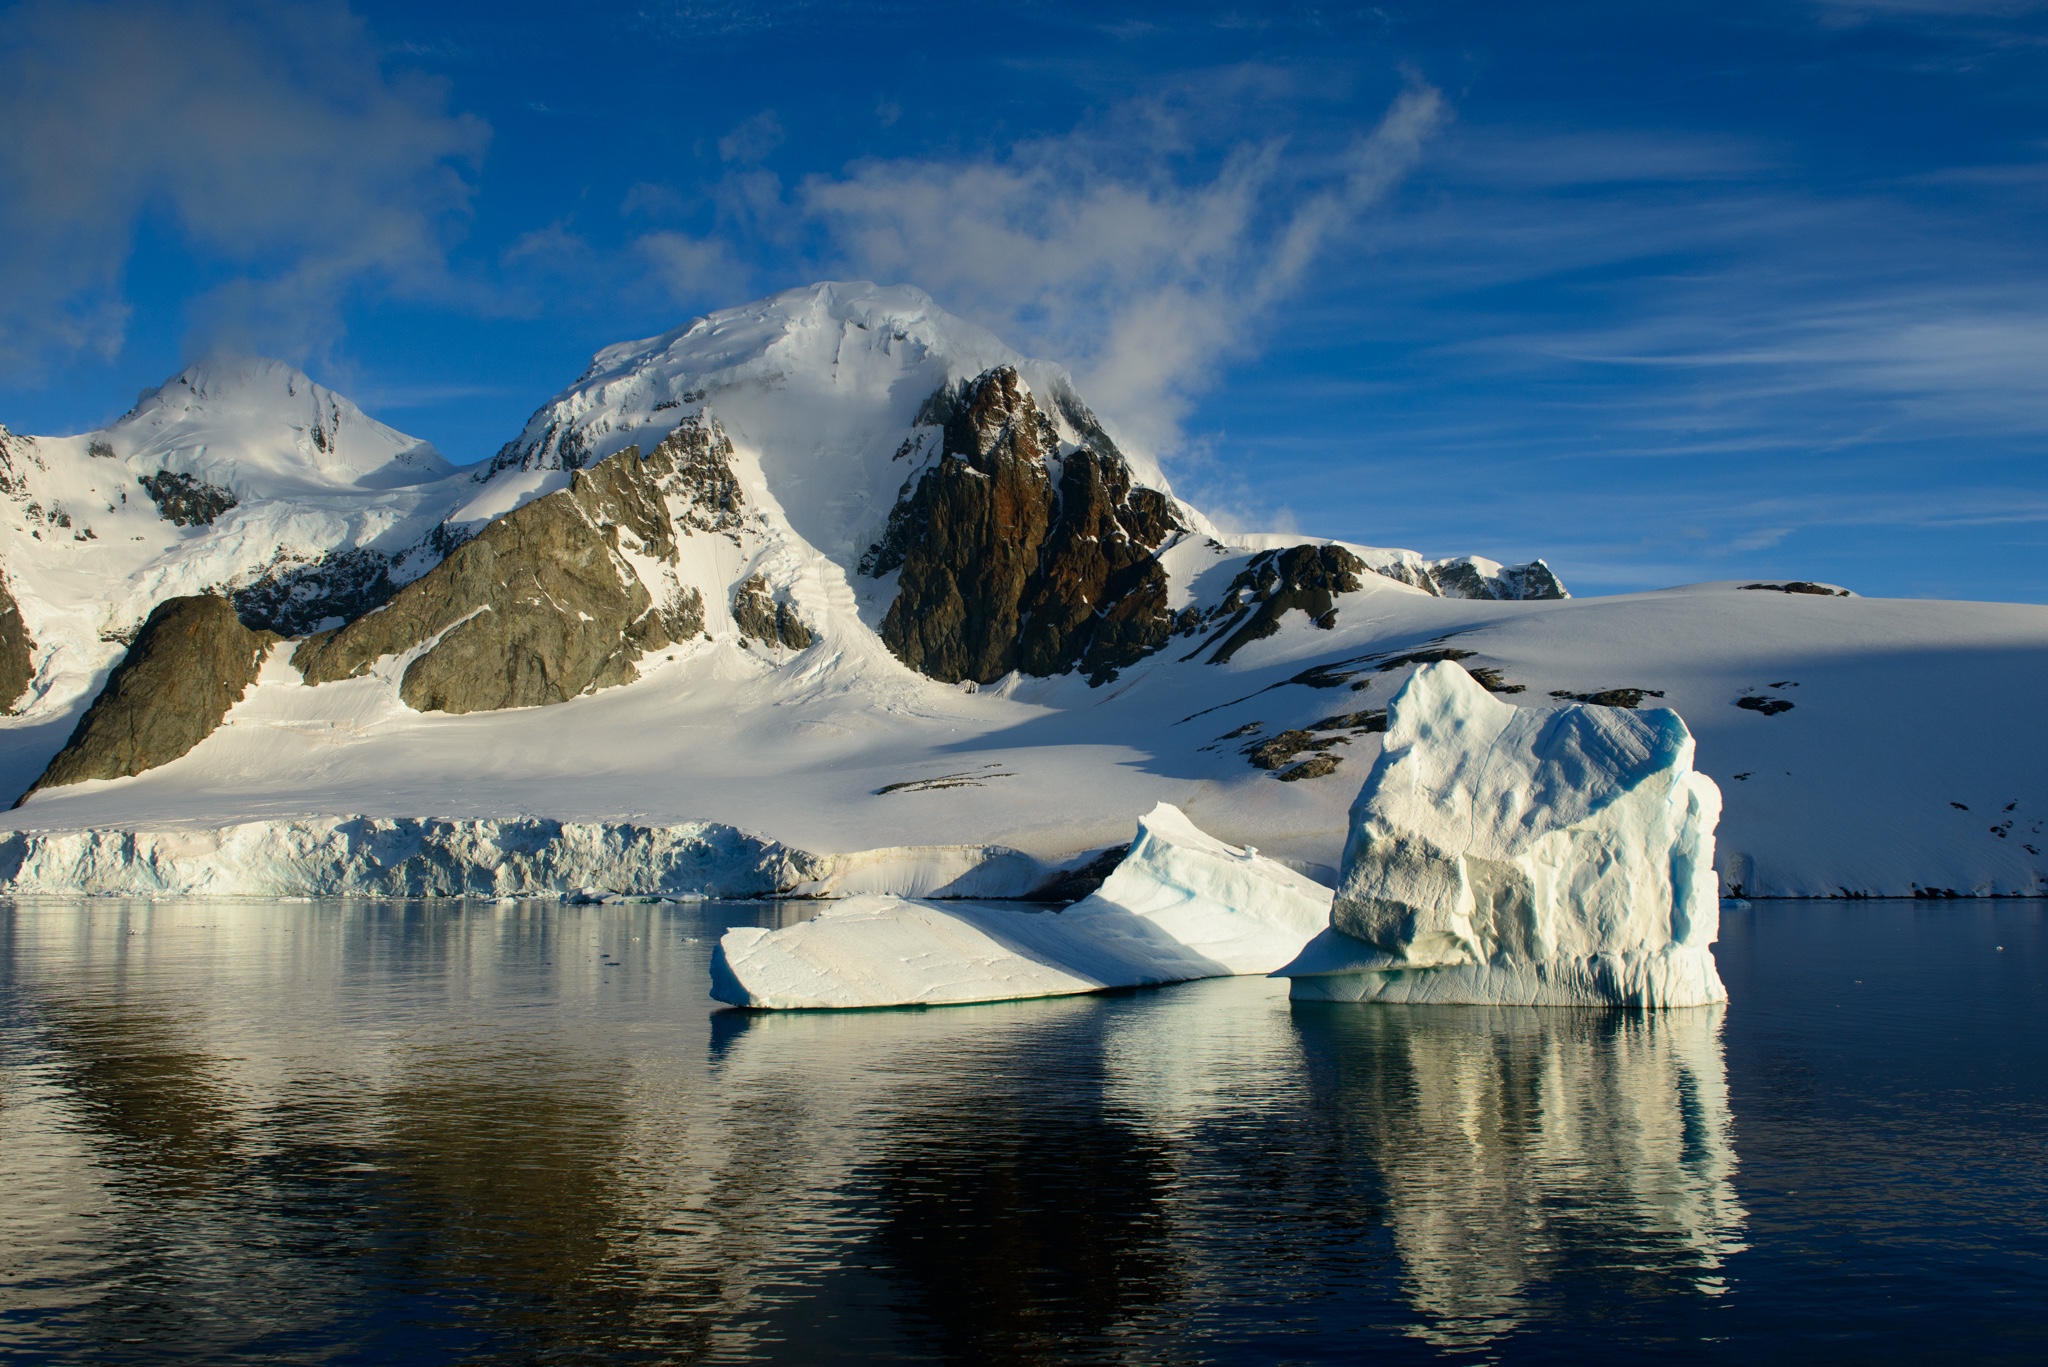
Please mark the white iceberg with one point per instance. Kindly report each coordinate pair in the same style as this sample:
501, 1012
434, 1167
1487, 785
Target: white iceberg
1508, 855
1182, 905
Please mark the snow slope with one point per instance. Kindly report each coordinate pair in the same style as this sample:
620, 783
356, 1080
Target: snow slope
1910, 756
1907, 741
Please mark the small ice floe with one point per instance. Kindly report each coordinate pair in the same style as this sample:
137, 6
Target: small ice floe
1181, 905
1514, 856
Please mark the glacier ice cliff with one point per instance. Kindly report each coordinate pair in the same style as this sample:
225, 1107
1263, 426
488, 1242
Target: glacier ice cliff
1182, 905
1507, 855
360, 856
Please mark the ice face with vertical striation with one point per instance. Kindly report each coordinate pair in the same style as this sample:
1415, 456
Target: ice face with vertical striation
1509, 855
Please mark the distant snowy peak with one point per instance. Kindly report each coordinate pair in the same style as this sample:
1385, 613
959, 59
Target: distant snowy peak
822, 385
261, 427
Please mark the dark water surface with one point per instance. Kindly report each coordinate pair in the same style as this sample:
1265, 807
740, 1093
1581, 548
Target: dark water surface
353, 1132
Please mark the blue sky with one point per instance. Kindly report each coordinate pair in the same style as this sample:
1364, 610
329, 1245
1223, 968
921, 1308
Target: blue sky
1659, 292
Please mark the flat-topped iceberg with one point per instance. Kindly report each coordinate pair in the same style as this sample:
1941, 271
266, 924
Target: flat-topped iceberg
1182, 905
1508, 855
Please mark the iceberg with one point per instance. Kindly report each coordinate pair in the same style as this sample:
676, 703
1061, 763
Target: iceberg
1505, 855
1182, 905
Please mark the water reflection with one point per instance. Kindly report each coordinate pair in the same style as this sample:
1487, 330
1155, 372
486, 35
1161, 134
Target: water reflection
1517, 1143
513, 1133
1016, 1208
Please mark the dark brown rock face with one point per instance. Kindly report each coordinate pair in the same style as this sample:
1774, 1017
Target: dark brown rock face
541, 606
191, 662
1275, 583
184, 501
756, 613
17, 651
1006, 567
1316, 766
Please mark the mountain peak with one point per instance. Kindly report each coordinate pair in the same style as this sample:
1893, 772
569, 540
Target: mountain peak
821, 383
256, 424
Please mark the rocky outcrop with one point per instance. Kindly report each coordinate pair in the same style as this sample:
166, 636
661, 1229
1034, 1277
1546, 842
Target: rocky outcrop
1018, 555
1316, 766
17, 650
191, 662
759, 616
697, 474
542, 604
1629, 698
1802, 586
184, 501
1302, 578
1472, 577
296, 599
16, 453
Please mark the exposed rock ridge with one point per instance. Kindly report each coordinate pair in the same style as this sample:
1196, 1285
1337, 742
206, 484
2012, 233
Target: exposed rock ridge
701, 476
191, 662
759, 615
184, 501
296, 597
17, 648
13, 480
1018, 555
543, 604
1468, 577
1274, 583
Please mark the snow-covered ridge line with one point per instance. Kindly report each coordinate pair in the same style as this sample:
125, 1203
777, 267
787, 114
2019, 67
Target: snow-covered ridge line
354, 856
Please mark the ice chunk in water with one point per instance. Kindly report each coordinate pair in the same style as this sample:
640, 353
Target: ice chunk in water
1511, 855
1181, 905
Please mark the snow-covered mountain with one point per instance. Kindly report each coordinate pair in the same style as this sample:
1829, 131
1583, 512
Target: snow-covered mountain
261, 429
231, 477
846, 572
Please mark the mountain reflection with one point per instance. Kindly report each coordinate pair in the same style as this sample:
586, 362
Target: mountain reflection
1518, 1143
499, 1170
1020, 1215
153, 1102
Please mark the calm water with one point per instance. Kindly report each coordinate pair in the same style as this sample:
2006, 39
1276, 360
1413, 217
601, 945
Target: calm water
349, 1132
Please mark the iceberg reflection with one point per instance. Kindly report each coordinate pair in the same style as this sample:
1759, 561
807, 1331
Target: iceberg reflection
1517, 1143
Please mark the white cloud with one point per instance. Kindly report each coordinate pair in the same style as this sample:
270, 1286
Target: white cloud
689, 268
266, 138
752, 140
1139, 275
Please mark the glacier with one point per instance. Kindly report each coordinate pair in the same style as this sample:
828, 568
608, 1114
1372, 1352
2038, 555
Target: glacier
1506, 855
409, 857
1181, 905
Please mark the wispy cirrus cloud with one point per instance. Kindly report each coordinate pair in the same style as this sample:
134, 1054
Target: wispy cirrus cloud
1084, 248
1144, 248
